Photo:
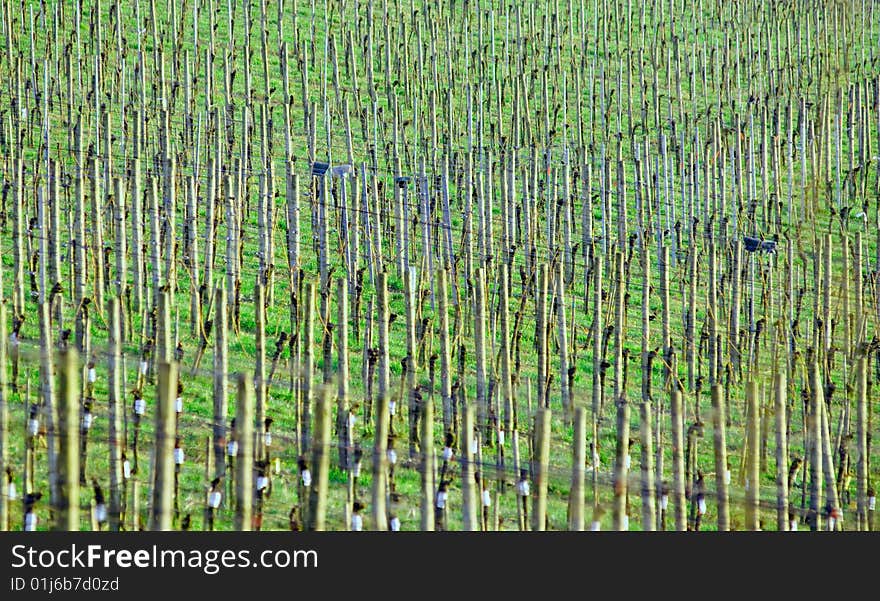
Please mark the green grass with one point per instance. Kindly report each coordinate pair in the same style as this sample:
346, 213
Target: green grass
195, 423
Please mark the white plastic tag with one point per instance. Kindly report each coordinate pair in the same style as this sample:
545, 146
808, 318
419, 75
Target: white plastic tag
487, 499
595, 526
232, 448
447, 453
441, 499
126, 469
474, 446
93, 375
628, 461
357, 523
395, 524
30, 521
306, 478
214, 500
624, 523
523, 488
144, 366
101, 513
392, 407
33, 427
140, 406
178, 456
392, 456
664, 502
11, 493
267, 439
702, 506
727, 476
87, 420
262, 482
872, 503
178, 405
501, 437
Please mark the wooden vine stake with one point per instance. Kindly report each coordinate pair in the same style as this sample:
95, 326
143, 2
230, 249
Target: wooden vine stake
780, 408
221, 380
244, 476
719, 428
4, 424
470, 519
320, 460
578, 464
541, 466
753, 450
67, 510
116, 434
380, 464
163, 487
862, 443
817, 399
678, 473
426, 464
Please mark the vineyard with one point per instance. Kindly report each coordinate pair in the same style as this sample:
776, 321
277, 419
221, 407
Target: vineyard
389, 265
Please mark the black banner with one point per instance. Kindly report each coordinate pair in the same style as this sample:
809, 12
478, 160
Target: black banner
85, 565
